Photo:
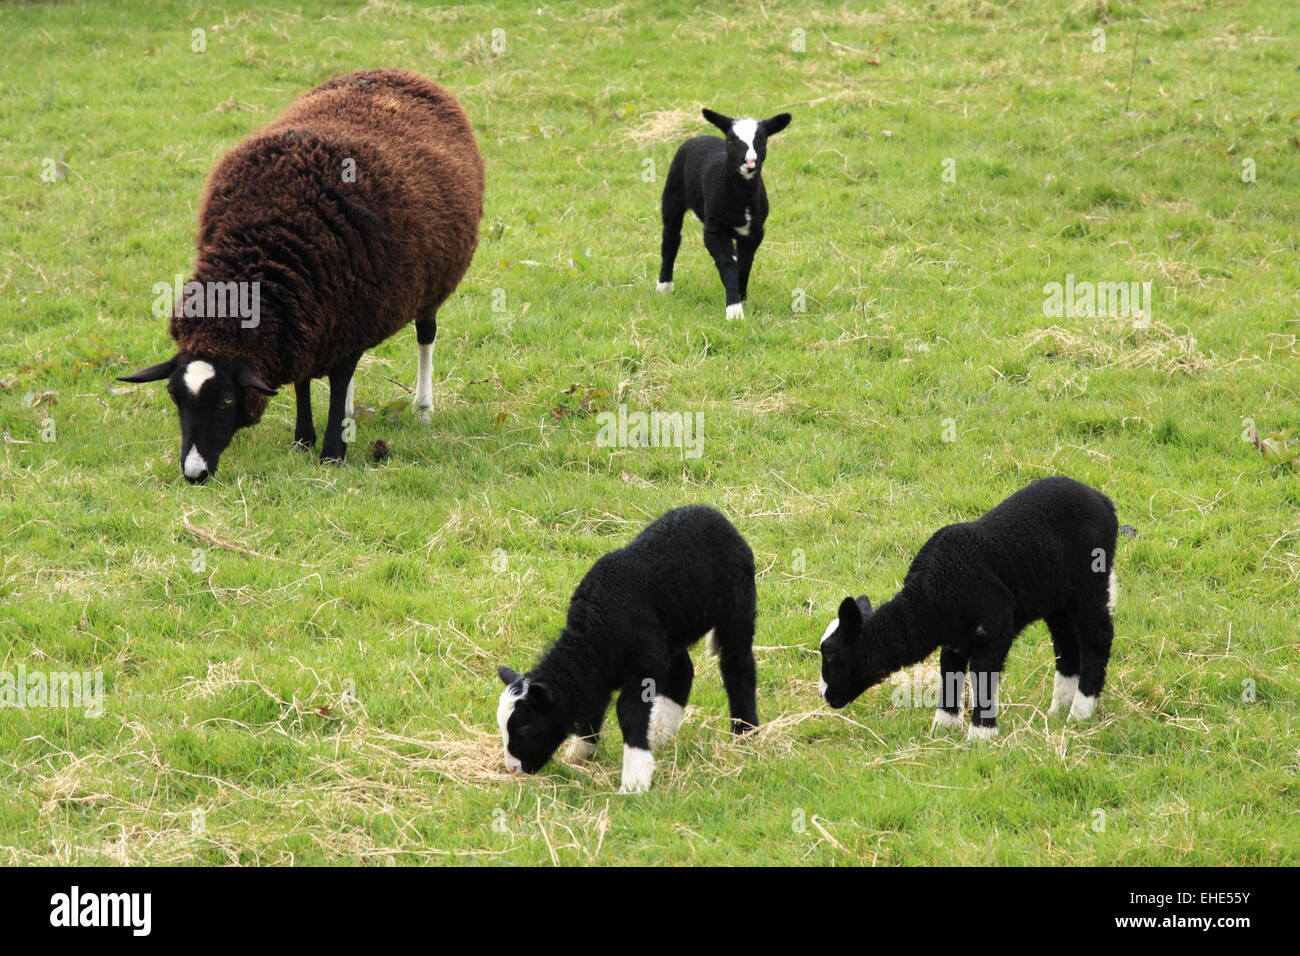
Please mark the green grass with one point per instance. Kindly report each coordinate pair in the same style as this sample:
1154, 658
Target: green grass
330, 697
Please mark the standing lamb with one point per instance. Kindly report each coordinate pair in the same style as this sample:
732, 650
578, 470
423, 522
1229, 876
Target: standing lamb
721, 181
1044, 553
631, 623
353, 214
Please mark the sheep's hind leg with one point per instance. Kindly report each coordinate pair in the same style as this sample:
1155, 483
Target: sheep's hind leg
985, 674
304, 431
1096, 634
1065, 642
334, 448
426, 330
673, 209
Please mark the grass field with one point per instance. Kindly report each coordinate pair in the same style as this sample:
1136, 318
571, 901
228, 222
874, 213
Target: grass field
298, 661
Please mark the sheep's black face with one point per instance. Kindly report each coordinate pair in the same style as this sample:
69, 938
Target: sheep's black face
747, 140
846, 670
214, 398
532, 728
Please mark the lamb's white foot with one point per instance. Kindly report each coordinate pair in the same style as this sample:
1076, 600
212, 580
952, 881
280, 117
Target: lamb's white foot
638, 768
424, 384
580, 750
736, 311
665, 720
664, 286
946, 720
1082, 707
981, 733
1063, 689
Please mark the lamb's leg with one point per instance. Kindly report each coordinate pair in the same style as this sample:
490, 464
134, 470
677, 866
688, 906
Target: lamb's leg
1066, 644
425, 331
746, 246
673, 208
734, 639
722, 249
334, 448
304, 432
952, 667
634, 703
582, 746
1096, 634
985, 674
669, 707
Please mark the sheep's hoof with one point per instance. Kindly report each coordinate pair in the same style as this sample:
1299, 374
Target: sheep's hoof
976, 732
333, 457
1082, 707
305, 442
664, 286
581, 750
946, 720
736, 311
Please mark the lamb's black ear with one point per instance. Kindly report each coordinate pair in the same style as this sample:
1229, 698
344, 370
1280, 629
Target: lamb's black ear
717, 119
776, 123
864, 602
538, 695
246, 379
153, 373
507, 676
850, 617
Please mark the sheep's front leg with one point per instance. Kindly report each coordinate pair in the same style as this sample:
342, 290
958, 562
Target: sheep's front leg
634, 703
426, 330
985, 673
746, 246
334, 448
583, 744
952, 668
304, 431
722, 249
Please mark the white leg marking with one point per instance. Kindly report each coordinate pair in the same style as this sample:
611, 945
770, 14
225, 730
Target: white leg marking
638, 768
1112, 589
1082, 707
424, 384
580, 750
1063, 689
664, 286
945, 720
981, 733
736, 311
711, 644
196, 373
194, 463
665, 720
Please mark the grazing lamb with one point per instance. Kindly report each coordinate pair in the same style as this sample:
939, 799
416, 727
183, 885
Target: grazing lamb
351, 215
631, 623
721, 181
1045, 552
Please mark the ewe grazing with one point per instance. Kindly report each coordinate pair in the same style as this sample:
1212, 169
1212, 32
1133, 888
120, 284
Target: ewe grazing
631, 623
721, 181
353, 214
1045, 552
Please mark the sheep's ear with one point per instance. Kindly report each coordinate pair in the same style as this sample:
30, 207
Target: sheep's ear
850, 617
246, 379
864, 602
717, 119
538, 695
507, 676
776, 123
153, 373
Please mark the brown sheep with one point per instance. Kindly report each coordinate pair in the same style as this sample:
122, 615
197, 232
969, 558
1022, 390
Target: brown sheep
354, 213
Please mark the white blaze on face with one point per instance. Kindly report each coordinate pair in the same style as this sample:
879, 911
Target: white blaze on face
505, 707
195, 465
746, 130
830, 629
196, 373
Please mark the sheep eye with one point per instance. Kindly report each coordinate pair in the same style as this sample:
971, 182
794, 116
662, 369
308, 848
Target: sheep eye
228, 400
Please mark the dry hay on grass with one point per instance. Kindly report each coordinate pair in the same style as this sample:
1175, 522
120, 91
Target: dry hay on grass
1121, 344
662, 126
